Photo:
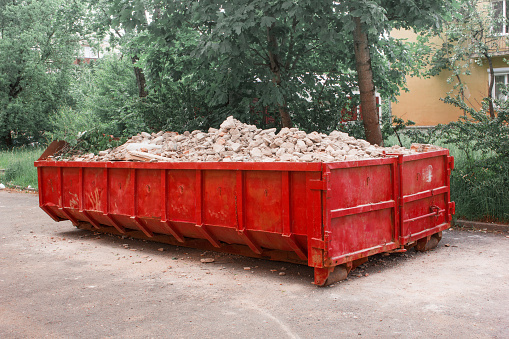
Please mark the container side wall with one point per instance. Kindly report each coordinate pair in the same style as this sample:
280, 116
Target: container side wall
149, 193
49, 186
94, 189
263, 198
362, 207
423, 174
360, 185
121, 191
50, 192
358, 232
315, 198
181, 188
265, 208
425, 196
219, 196
298, 203
70, 184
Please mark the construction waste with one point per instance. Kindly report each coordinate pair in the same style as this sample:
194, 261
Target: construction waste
235, 141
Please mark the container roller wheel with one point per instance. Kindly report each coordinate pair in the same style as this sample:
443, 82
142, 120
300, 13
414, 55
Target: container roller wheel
428, 243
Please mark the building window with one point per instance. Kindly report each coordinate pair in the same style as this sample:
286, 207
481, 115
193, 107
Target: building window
500, 80
500, 10
501, 83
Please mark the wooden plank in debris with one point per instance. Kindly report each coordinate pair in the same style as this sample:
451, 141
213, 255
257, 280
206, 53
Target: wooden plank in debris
143, 156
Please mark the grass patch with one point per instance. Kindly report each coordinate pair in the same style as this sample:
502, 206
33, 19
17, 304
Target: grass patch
18, 164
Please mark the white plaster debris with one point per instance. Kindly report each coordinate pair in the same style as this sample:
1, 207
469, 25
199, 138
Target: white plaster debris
235, 141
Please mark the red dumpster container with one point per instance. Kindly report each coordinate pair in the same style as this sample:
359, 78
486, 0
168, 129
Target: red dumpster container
330, 216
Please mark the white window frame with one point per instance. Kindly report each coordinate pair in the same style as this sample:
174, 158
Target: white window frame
502, 71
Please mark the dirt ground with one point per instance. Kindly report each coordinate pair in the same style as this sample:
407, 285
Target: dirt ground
60, 282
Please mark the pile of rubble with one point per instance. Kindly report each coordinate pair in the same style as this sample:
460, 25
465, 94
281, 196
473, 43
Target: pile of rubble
235, 141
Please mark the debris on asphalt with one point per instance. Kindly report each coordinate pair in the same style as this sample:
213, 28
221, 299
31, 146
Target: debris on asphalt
207, 260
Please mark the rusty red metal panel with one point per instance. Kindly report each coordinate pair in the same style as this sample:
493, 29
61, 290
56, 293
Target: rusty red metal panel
150, 193
314, 218
218, 198
120, 191
94, 189
48, 185
298, 205
181, 204
246, 166
263, 192
425, 195
361, 210
70, 188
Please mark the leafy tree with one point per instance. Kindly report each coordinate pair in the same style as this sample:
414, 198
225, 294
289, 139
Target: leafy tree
369, 21
470, 37
253, 50
100, 26
38, 42
293, 56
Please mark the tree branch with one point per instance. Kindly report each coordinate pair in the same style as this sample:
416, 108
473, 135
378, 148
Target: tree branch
259, 54
306, 51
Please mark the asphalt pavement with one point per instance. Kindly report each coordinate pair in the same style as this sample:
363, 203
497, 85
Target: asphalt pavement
60, 282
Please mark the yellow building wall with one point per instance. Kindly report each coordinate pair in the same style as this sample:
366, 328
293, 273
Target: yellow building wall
422, 104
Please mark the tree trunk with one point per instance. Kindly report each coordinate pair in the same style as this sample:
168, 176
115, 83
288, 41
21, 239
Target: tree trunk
366, 86
8, 139
492, 83
14, 90
286, 120
138, 72
275, 67
462, 93
140, 79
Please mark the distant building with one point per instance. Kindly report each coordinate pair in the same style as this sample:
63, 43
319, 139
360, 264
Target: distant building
422, 103
86, 54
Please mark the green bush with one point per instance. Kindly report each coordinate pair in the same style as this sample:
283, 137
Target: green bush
481, 179
480, 189
105, 107
480, 145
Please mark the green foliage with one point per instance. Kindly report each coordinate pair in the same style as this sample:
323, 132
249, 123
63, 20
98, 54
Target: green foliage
480, 181
106, 108
469, 38
480, 190
94, 141
477, 132
326, 115
203, 61
285, 56
112, 96
19, 166
83, 131
393, 126
38, 43
68, 123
